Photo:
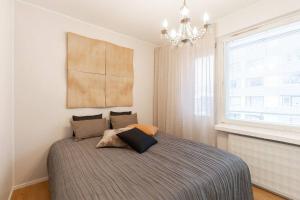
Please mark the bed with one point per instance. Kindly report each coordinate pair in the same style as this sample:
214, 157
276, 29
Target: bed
172, 169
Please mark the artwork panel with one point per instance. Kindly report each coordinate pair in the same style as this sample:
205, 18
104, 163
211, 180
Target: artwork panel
85, 54
85, 90
119, 61
119, 91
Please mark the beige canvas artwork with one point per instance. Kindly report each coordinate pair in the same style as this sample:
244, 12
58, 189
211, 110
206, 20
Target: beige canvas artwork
119, 76
100, 74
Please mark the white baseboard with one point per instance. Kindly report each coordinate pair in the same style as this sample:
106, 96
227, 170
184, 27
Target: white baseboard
35, 181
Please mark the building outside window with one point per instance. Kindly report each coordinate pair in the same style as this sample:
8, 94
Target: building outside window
262, 76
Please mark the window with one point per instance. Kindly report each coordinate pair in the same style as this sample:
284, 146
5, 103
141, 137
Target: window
292, 78
262, 76
234, 83
296, 102
254, 101
286, 101
254, 82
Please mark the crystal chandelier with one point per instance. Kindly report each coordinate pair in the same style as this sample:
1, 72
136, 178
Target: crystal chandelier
185, 32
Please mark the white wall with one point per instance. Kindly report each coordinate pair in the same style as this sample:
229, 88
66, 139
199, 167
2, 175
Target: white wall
6, 97
259, 12
41, 117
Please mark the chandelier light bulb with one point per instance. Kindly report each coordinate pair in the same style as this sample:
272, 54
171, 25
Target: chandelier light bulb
173, 34
205, 18
165, 24
184, 11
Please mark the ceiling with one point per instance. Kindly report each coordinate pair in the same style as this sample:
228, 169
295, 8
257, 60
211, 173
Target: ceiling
140, 18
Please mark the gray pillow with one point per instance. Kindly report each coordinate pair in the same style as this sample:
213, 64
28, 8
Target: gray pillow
122, 121
89, 128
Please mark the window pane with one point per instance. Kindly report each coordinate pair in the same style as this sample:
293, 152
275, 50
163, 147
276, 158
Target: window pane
263, 76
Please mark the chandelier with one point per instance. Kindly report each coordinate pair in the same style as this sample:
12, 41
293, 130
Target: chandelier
186, 33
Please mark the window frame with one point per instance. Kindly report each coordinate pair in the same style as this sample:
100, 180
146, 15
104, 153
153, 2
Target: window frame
221, 73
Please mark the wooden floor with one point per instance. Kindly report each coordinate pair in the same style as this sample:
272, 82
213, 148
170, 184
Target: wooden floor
34, 192
40, 192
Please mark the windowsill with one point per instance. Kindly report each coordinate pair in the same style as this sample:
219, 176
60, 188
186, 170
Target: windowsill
269, 134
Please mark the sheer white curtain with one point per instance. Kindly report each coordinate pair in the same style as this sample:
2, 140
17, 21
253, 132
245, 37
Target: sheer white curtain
184, 90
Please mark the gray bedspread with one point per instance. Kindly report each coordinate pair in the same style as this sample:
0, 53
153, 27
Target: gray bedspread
172, 169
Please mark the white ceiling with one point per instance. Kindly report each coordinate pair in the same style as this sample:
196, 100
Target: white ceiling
140, 18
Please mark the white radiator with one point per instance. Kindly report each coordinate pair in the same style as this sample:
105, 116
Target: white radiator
274, 166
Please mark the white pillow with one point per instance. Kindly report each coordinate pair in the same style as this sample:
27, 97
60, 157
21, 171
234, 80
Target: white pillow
110, 138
